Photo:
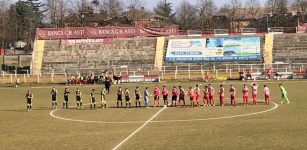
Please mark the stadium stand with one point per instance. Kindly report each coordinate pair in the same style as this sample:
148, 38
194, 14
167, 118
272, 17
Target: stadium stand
58, 56
290, 48
134, 52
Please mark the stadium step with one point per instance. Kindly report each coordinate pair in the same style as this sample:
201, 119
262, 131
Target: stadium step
268, 48
290, 48
37, 57
159, 53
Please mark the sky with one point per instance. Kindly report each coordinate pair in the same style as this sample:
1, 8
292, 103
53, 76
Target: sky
152, 3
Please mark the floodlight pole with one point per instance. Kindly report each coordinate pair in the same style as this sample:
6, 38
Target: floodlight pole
189, 70
3, 14
267, 23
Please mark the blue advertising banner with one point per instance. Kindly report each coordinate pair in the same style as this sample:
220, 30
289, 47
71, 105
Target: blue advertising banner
214, 49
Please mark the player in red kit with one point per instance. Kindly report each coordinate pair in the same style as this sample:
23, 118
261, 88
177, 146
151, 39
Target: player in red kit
197, 94
165, 95
211, 95
266, 93
232, 95
206, 96
174, 96
156, 97
254, 89
245, 95
191, 95
222, 94
206, 77
181, 96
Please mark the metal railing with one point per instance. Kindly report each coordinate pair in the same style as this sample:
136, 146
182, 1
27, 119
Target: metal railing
230, 69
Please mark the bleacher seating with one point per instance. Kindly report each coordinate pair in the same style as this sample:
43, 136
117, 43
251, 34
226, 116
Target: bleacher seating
133, 53
290, 48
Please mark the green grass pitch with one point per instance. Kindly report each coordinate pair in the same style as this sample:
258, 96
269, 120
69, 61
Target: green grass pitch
282, 128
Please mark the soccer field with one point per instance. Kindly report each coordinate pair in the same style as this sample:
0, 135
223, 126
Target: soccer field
277, 126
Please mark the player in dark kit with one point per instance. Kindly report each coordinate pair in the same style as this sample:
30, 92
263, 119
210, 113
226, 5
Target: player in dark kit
181, 96
54, 93
120, 97
93, 100
103, 94
127, 98
78, 98
137, 97
29, 98
65, 102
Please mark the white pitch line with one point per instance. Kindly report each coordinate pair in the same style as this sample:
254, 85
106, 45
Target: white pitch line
219, 118
162, 121
137, 130
89, 121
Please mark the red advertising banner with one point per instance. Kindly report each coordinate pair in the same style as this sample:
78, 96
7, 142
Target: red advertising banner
2, 52
68, 42
301, 27
103, 32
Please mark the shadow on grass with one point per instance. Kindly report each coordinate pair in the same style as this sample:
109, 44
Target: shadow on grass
25, 110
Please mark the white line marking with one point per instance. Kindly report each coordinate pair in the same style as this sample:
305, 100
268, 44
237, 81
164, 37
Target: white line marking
88, 121
219, 118
162, 121
137, 130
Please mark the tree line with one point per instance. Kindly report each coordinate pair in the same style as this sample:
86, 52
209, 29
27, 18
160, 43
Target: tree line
20, 19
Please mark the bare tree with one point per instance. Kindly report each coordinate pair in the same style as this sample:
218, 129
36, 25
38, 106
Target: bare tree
187, 15
301, 6
111, 8
232, 11
235, 5
56, 12
207, 9
133, 8
280, 17
3, 17
274, 6
253, 8
164, 10
75, 6
135, 4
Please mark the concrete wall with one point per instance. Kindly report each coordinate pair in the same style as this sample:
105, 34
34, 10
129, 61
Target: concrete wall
290, 48
133, 53
17, 60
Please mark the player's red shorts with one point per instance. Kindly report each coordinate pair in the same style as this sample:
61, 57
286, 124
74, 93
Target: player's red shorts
221, 97
206, 98
197, 98
156, 98
191, 98
211, 97
245, 98
254, 96
266, 97
232, 98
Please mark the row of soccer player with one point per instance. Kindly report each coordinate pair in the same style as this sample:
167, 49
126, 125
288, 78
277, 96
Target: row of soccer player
54, 94
194, 94
178, 96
